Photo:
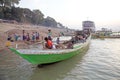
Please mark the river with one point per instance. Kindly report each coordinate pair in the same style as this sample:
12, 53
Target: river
100, 62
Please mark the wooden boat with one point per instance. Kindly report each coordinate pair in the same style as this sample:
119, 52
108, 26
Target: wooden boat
36, 56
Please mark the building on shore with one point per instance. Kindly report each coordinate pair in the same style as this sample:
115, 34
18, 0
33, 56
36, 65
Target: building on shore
88, 25
104, 32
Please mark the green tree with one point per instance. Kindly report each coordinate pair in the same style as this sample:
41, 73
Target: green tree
38, 17
50, 22
27, 15
17, 14
1, 13
5, 8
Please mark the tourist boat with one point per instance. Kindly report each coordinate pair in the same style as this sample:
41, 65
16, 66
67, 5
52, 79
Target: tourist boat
37, 56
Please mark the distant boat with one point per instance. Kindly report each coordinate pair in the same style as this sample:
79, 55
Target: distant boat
37, 56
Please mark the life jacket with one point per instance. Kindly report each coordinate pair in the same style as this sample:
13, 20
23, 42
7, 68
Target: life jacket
49, 43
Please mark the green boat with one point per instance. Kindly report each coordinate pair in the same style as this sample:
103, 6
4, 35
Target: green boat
37, 56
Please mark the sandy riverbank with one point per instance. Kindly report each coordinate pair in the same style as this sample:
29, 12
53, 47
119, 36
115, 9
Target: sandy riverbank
6, 28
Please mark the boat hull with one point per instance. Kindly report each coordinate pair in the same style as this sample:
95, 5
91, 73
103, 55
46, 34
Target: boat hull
50, 58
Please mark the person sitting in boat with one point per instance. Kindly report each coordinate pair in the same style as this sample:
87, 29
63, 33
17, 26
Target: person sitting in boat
49, 43
73, 40
70, 45
82, 39
59, 45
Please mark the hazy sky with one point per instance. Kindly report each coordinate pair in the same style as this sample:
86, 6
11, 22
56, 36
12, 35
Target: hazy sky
71, 13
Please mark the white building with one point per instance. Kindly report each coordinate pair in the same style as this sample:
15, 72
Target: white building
88, 25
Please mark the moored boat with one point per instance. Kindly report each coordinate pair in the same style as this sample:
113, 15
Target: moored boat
37, 56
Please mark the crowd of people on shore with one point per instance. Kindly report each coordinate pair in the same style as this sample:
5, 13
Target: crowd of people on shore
25, 37
35, 36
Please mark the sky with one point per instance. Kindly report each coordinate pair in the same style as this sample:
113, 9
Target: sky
71, 13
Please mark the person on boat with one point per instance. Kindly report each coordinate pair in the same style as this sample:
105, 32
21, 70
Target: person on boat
49, 43
59, 45
49, 34
70, 45
73, 40
58, 40
81, 39
76, 39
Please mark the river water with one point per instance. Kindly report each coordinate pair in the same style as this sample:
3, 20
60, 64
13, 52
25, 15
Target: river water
100, 62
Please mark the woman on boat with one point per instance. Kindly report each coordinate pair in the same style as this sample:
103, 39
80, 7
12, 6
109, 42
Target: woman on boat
49, 43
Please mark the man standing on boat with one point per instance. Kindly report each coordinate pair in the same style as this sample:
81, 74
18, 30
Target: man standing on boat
49, 34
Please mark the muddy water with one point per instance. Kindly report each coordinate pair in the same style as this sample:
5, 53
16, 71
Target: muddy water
100, 62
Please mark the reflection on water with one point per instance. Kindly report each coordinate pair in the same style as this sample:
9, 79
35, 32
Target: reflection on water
100, 62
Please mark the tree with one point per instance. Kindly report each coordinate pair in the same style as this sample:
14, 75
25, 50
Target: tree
50, 22
27, 15
13, 2
8, 3
17, 14
1, 13
5, 8
37, 17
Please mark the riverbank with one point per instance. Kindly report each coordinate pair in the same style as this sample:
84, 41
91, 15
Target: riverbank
7, 28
